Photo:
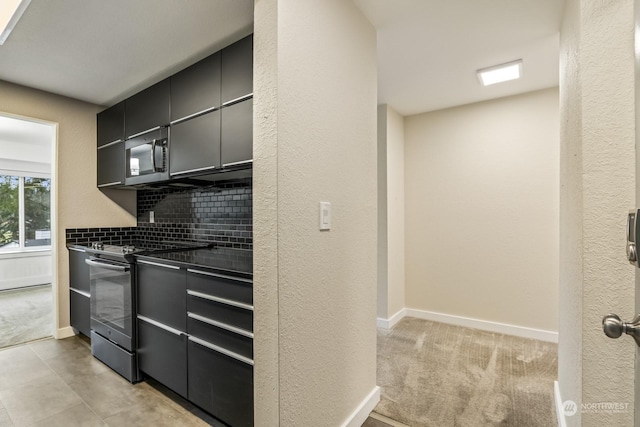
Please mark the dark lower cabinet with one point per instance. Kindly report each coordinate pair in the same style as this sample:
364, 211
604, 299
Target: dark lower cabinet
220, 384
80, 304
162, 354
79, 291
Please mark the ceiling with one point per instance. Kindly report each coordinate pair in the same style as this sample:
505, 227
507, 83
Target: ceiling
428, 50
104, 51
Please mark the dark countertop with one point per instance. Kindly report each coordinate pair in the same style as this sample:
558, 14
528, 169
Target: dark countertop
238, 262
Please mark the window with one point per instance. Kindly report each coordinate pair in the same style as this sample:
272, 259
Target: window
25, 214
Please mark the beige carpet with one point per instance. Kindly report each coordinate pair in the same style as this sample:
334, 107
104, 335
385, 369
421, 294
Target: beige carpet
25, 315
439, 375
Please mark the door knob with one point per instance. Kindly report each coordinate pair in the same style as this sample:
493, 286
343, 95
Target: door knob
614, 327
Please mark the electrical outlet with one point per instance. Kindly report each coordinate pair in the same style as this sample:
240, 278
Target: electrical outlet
325, 216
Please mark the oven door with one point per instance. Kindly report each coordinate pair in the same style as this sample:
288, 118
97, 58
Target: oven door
112, 300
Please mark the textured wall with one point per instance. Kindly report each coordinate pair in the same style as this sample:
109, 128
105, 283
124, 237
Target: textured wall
391, 267
598, 175
482, 210
321, 146
79, 203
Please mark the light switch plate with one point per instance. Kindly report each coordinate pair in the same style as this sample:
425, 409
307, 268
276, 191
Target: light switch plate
325, 216
152, 217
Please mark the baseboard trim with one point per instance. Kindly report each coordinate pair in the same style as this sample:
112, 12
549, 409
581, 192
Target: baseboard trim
562, 421
390, 322
65, 332
501, 328
359, 416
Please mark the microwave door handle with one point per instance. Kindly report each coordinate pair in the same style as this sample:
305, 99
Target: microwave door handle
153, 155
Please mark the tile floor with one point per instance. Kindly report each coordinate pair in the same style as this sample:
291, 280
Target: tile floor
58, 383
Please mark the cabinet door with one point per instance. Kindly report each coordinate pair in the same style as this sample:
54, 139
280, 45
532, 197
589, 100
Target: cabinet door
162, 294
196, 89
220, 384
236, 141
147, 109
111, 165
195, 144
111, 124
162, 354
237, 69
78, 270
80, 317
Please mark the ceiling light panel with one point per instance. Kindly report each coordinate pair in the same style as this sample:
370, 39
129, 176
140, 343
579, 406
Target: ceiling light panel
500, 73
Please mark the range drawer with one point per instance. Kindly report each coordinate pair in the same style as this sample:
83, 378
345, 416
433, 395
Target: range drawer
221, 310
219, 285
234, 339
220, 384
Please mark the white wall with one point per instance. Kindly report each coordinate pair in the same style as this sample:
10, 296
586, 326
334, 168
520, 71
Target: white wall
482, 211
315, 140
24, 269
391, 202
598, 184
78, 203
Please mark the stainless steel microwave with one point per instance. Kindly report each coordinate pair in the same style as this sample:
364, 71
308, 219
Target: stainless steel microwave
147, 157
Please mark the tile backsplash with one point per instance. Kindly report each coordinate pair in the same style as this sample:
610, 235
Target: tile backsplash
220, 214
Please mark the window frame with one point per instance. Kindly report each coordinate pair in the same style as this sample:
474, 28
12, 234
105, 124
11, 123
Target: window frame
21, 213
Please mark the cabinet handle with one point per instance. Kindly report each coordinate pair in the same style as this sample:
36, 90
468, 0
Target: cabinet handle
78, 291
239, 99
109, 144
157, 264
220, 300
161, 326
243, 162
221, 325
191, 116
143, 132
193, 170
220, 276
109, 184
221, 350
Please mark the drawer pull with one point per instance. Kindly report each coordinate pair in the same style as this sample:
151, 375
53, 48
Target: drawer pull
221, 350
221, 325
83, 293
220, 276
161, 326
220, 300
157, 264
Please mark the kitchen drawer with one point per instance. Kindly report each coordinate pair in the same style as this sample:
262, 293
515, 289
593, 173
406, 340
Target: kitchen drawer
78, 270
202, 304
219, 285
162, 293
220, 384
162, 354
226, 336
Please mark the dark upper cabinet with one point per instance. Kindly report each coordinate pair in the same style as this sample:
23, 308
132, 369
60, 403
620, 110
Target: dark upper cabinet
111, 124
195, 145
237, 69
196, 89
148, 109
111, 164
236, 140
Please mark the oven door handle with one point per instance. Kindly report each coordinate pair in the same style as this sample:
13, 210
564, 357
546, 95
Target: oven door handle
99, 264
